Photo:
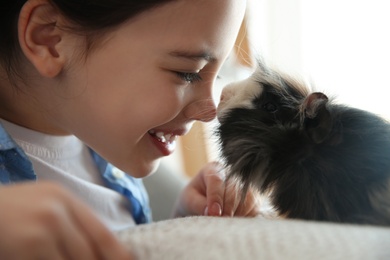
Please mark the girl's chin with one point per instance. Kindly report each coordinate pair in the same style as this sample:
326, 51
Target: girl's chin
147, 169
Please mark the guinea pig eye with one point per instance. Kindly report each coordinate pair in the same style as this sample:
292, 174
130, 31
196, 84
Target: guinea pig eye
270, 107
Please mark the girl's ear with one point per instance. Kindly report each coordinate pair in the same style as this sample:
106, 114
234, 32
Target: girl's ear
315, 117
40, 38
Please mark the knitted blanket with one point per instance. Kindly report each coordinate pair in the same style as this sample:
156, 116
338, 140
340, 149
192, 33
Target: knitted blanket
255, 238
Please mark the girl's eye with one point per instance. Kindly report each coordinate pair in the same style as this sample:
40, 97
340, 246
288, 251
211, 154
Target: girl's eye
189, 77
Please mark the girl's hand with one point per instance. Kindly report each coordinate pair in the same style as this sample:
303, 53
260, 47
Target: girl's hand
43, 221
209, 194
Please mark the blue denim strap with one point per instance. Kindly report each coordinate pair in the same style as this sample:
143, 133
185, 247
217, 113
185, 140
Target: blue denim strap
14, 163
15, 167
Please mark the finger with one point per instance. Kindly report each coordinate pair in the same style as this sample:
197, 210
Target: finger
194, 203
250, 205
59, 218
53, 253
102, 242
62, 229
215, 189
254, 200
231, 198
74, 244
247, 209
39, 244
254, 212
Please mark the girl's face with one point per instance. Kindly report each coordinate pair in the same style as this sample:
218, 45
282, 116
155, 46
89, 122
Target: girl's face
149, 81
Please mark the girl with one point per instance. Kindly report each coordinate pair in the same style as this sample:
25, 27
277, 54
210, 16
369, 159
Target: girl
84, 83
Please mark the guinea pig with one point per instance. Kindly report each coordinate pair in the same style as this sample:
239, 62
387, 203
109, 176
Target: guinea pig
313, 158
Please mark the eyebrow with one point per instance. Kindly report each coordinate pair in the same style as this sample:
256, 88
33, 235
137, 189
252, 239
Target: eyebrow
203, 55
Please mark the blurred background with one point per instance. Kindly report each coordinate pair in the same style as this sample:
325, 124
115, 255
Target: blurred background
340, 46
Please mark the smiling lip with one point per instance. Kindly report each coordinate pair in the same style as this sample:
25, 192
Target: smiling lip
165, 140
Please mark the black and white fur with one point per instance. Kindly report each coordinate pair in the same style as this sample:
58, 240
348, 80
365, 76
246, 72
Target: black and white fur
313, 158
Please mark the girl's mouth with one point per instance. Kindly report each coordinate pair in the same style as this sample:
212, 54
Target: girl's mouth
163, 137
165, 142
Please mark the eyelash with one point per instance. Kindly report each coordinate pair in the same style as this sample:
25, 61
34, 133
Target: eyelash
189, 77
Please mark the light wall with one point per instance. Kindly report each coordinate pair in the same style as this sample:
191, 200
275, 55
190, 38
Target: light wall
341, 46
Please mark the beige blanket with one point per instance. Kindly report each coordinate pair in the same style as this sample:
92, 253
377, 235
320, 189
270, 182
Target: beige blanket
256, 238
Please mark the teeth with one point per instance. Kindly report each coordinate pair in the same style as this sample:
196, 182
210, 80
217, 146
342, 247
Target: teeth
161, 136
164, 138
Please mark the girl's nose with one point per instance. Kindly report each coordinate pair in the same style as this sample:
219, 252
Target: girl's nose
201, 110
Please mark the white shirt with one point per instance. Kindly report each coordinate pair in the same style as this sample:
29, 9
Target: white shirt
66, 160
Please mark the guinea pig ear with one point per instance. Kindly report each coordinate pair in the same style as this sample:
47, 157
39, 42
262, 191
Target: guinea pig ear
315, 117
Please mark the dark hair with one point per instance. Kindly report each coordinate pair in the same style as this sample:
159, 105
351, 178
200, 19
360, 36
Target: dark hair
87, 16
